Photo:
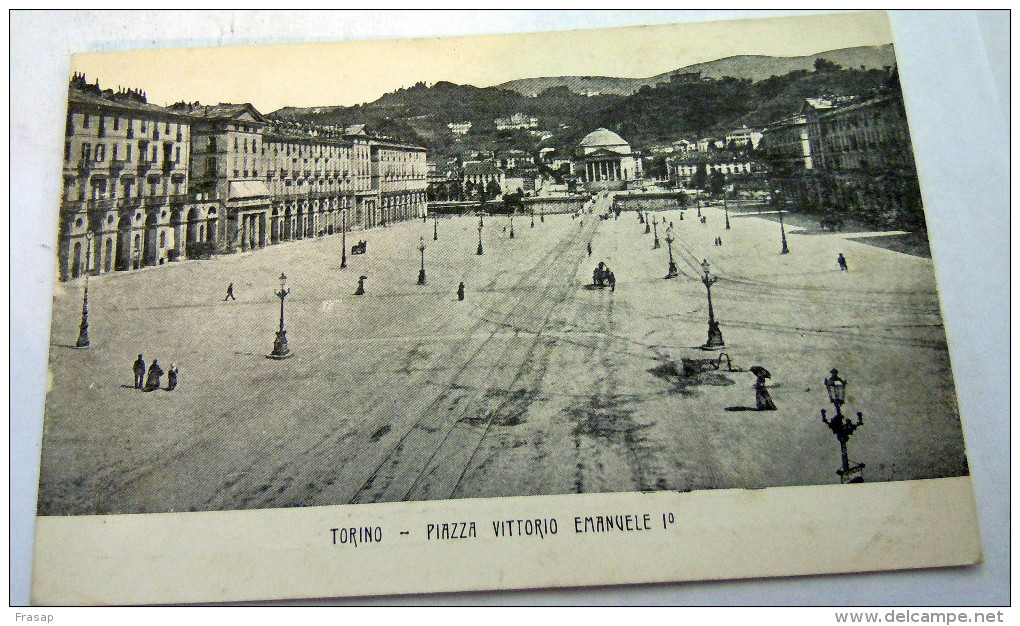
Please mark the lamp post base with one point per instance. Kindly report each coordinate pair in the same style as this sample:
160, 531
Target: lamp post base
83, 337
479, 251
715, 340
672, 273
421, 277
655, 244
280, 349
343, 261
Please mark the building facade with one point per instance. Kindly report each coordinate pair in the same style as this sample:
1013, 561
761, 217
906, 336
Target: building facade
145, 185
849, 154
607, 160
125, 202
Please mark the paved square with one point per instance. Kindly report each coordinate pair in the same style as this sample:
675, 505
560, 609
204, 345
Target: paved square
534, 384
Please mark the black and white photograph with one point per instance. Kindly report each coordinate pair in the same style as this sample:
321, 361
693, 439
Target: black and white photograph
671, 258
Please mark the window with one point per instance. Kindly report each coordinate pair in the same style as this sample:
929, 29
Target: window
235, 144
116, 123
100, 153
141, 125
162, 239
167, 129
177, 155
237, 173
86, 152
70, 125
85, 121
114, 156
67, 151
127, 157
155, 154
130, 129
102, 126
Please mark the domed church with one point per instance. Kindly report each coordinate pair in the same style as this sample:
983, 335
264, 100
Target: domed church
607, 160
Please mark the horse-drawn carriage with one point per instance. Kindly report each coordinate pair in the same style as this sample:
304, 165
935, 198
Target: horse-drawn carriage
603, 277
359, 248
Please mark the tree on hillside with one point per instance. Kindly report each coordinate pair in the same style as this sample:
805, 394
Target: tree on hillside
716, 182
700, 176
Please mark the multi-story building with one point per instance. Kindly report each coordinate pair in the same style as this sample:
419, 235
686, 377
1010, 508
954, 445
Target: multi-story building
516, 121
459, 128
483, 173
154, 184
867, 134
125, 198
788, 143
848, 153
744, 136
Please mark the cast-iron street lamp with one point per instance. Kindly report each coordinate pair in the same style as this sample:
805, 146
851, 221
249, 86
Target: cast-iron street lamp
435, 227
532, 218
479, 235
842, 427
83, 328
671, 273
782, 229
511, 225
726, 208
421, 273
648, 228
715, 339
541, 214
280, 349
655, 229
343, 241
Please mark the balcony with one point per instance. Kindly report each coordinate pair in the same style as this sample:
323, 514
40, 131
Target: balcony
101, 204
117, 165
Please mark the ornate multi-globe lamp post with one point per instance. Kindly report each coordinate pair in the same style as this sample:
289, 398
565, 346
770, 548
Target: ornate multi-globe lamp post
648, 228
280, 349
715, 339
842, 427
83, 328
655, 229
671, 272
421, 272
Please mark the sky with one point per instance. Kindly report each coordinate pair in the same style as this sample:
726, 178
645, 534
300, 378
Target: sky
351, 72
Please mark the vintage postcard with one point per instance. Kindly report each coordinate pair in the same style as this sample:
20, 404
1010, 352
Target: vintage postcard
589, 307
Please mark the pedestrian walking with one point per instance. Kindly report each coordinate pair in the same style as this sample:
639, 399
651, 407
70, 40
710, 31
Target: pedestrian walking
589, 248
171, 378
139, 372
612, 281
155, 373
361, 286
842, 263
230, 293
460, 291
762, 399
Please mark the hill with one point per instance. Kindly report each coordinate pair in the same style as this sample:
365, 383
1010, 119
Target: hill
751, 67
691, 102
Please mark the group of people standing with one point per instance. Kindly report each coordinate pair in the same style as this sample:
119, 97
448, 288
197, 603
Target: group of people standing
149, 380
